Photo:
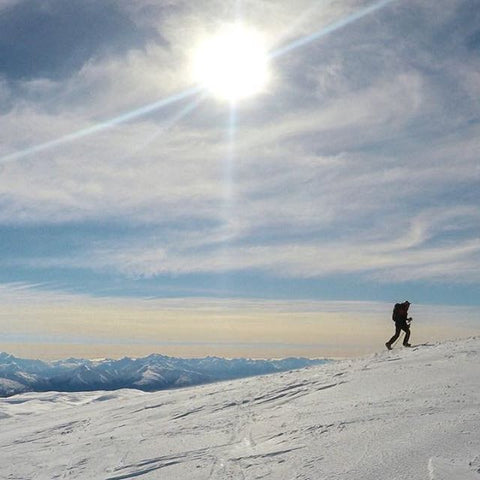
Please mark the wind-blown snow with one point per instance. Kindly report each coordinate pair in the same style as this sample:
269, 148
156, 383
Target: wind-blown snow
405, 414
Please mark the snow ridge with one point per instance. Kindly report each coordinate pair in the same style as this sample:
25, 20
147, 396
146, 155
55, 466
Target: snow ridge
408, 414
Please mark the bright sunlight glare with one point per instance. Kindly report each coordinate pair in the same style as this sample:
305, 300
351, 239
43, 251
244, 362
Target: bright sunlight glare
233, 64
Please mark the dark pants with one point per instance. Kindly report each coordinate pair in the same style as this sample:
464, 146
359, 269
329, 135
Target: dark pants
399, 326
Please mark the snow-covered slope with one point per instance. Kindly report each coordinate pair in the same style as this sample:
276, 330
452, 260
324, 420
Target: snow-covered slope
405, 414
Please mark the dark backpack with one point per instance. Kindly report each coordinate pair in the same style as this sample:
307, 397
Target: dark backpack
397, 312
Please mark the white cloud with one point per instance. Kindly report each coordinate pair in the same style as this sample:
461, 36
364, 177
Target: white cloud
27, 297
420, 249
346, 172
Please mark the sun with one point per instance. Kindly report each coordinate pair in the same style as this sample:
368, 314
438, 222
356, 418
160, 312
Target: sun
233, 64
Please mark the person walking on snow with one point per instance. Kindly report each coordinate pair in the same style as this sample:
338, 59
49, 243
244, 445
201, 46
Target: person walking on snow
402, 322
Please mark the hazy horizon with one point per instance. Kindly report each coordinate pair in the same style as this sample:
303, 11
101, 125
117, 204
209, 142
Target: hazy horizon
50, 325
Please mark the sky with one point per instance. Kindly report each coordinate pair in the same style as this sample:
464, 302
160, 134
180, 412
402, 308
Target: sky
140, 213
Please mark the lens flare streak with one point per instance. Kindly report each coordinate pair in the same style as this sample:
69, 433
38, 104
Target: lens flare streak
139, 112
300, 42
190, 107
191, 92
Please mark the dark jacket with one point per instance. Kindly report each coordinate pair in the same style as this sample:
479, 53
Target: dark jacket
400, 313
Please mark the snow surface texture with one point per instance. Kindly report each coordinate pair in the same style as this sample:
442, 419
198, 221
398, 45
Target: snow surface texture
405, 414
155, 372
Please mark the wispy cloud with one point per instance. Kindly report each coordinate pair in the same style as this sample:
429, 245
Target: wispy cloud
362, 159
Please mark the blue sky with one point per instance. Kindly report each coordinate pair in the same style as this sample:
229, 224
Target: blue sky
353, 178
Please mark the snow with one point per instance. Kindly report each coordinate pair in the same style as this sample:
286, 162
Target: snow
404, 414
155, 372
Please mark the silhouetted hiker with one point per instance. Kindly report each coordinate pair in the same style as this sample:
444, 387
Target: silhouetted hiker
402, 322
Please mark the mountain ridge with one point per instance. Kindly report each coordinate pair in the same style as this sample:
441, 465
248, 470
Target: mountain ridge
151, 373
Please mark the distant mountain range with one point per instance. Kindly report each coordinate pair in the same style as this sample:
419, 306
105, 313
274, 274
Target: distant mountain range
155, 372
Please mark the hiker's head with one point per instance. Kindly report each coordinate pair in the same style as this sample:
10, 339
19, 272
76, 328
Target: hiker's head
406, 304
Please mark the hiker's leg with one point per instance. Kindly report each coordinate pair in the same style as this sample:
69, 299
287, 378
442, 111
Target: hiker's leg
398, 329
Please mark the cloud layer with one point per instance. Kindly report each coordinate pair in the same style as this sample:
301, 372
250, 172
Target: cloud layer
362, 159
